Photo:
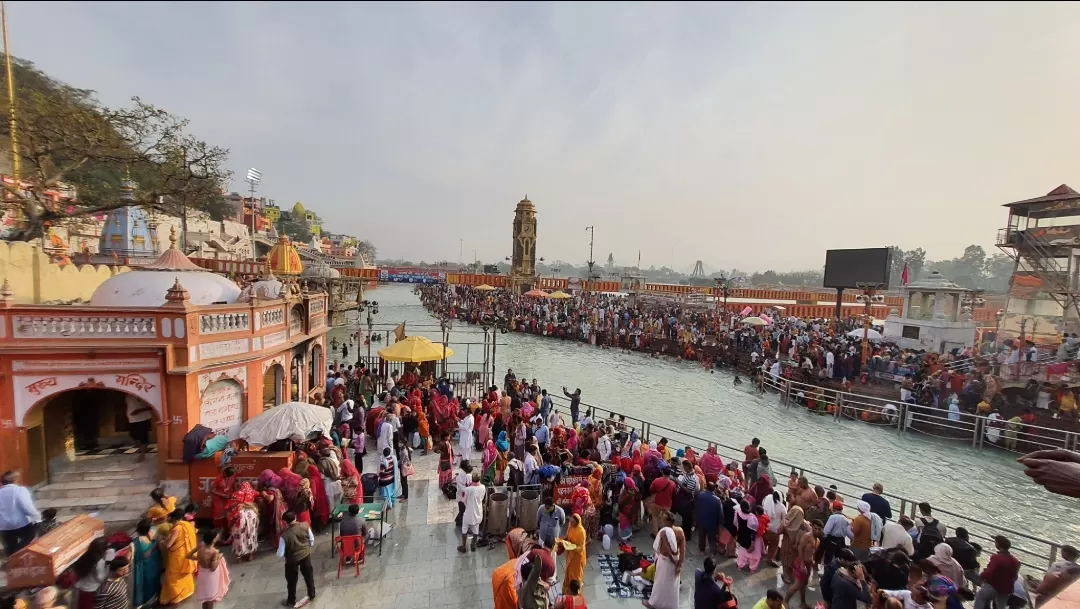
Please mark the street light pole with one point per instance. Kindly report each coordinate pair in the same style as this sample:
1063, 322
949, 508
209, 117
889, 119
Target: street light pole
254, 176
591, 262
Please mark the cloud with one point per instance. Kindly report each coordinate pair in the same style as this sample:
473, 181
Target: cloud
746, 135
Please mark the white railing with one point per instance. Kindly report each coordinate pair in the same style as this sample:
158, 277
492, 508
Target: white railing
77, 326
220, 323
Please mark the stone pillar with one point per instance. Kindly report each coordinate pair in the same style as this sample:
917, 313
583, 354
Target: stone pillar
939, 305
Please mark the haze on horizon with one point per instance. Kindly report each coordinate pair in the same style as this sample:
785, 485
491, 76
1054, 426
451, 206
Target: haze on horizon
749, 135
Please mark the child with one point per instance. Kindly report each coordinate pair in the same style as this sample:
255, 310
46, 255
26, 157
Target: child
190, 511
48, 521
762, 529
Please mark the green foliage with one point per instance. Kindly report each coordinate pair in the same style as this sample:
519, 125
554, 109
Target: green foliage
68, 140
368, 249
295, 229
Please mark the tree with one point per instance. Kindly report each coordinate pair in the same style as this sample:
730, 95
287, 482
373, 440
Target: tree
367, 248
68, 141
915, 260
296, 229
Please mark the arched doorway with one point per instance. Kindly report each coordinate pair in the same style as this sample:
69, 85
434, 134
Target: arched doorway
273, 382
80, 423
316, 371
294, 380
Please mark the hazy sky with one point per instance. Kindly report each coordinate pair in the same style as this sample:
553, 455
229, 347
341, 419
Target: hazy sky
745, 135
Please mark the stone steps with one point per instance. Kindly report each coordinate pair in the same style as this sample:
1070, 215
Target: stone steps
95, 488
112, 488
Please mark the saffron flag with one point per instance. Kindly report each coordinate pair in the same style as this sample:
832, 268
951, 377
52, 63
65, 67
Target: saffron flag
904, 276
399, 332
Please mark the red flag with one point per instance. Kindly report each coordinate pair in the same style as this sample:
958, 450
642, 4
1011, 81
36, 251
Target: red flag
904, 276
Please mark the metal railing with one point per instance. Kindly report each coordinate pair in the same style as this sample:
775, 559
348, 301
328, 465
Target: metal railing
1033, 552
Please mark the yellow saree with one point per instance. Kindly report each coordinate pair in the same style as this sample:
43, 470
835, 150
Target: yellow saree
575, 559
178, 582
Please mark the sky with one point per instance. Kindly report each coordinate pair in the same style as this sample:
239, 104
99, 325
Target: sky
746, 135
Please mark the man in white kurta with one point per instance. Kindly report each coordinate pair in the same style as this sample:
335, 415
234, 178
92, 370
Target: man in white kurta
465, 437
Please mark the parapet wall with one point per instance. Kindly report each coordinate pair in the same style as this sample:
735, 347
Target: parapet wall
36, 279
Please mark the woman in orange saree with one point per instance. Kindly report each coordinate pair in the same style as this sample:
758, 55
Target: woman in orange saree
178, 582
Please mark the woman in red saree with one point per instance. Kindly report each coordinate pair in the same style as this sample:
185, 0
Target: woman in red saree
711, 464
582, 505
320, 508
446, 459
220, 491
351, 492
243, 519
274, 504
297, 492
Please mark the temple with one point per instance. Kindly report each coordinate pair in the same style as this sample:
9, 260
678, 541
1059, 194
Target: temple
191, 344
936, 316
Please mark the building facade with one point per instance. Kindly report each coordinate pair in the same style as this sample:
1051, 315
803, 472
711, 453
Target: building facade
188, 343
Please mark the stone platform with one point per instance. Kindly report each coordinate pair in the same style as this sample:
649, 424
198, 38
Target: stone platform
421, 568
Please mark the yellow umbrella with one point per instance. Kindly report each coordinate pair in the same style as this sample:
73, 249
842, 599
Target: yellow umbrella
559, 295
754, 321
483, 287
415, 349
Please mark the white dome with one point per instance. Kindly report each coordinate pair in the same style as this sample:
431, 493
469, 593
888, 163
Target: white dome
142, 288
321, 270
268, 288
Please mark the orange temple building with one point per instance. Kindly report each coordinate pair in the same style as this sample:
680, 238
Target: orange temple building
194, 346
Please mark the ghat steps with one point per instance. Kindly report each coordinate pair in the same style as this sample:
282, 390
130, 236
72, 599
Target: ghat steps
113, 488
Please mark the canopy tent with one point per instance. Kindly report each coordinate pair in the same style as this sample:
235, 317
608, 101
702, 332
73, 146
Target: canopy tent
559, 295
754, 321
285, 421
483, 287
870, 334
536, 293
415, 349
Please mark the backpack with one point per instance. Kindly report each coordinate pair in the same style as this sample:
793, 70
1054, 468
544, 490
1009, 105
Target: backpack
930, 537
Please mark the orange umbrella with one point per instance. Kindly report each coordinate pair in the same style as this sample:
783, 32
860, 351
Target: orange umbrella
536, 293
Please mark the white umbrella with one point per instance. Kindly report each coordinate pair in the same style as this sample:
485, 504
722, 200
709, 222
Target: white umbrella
870, 334
285, 421
754, 321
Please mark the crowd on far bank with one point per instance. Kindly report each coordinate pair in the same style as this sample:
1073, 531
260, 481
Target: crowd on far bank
816, 352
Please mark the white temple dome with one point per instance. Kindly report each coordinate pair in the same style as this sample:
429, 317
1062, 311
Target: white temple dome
268, 288
147, 286
321, 270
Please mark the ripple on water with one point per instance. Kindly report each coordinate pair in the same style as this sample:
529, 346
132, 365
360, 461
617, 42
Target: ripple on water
986, 485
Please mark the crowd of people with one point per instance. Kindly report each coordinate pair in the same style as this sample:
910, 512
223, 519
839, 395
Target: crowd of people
599, 480
824, 355
514, 437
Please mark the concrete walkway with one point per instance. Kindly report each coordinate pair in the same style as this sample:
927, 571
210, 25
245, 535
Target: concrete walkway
420, 567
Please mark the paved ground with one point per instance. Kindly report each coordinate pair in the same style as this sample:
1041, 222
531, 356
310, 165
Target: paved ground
421, 568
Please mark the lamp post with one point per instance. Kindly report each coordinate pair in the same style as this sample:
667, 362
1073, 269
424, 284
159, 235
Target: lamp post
722, 286
371, 307
590, 262
445, 324
254, 176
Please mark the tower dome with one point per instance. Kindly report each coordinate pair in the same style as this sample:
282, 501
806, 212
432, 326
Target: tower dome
283, 258
148, 286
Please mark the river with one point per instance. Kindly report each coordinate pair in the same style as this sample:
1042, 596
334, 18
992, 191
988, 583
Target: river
987, 485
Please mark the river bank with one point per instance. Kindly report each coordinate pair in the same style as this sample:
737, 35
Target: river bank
984, 484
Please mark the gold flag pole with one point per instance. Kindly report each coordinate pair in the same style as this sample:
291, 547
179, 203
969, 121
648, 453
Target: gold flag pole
16, 162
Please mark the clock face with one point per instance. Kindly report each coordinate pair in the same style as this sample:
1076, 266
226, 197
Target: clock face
527, 230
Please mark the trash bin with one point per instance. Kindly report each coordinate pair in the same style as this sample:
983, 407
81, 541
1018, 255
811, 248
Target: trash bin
498, 513
528, 504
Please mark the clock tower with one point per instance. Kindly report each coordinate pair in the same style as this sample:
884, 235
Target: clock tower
523, 262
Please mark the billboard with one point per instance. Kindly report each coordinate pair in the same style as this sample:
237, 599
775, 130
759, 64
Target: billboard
850, 268
411, 276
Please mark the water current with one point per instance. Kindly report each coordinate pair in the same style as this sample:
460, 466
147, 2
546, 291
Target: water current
987, 485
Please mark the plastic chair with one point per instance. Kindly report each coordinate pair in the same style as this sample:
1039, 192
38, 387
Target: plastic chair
350, 546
